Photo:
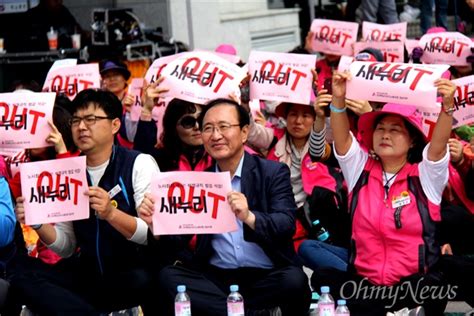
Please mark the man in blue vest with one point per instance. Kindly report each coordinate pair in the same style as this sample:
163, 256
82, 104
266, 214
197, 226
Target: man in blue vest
104, 269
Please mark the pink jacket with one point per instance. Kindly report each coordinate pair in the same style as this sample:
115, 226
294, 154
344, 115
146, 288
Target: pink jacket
456, 183
203, 164
312, 173
389, 243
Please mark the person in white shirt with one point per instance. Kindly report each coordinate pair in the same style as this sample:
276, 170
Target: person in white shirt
105, 261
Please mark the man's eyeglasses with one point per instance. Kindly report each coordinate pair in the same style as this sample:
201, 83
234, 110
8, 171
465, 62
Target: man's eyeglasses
188, 121
89, 120
220, 128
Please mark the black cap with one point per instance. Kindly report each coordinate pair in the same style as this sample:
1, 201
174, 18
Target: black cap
117, 66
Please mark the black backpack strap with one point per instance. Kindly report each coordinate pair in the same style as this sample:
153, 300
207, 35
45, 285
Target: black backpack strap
361, 182
431, 252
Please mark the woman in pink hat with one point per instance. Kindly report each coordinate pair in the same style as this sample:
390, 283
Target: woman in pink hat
394, 202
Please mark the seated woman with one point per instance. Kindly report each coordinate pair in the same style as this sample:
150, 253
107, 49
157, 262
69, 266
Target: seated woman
180, 142
302, 143
394, 203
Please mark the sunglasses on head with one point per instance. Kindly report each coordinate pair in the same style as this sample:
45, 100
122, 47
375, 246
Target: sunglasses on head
188, 121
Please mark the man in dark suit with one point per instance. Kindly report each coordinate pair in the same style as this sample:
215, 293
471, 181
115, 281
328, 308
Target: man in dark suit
259, 256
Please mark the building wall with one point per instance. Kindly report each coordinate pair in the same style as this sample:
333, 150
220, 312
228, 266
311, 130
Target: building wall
205, 24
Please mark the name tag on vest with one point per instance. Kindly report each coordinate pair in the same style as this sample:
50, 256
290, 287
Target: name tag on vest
114, 191
402, 200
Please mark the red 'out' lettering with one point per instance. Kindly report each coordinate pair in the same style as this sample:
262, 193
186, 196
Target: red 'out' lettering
431, 125
421, 73
36, 116
215, 204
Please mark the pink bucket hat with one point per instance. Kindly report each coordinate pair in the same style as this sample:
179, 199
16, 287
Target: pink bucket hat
226, 49
367, 121
435, 29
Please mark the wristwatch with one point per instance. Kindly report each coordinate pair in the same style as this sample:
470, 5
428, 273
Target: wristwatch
449, 111
36, 227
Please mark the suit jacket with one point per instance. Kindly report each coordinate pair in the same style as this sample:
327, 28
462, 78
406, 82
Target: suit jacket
267, 186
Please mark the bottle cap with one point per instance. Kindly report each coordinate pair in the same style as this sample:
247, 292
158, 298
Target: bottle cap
181, 288
324, 289
314, 296
323, 237
316, 222
341, 302
234, 288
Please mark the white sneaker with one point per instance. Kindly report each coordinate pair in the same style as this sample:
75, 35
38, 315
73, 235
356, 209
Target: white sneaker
409, 13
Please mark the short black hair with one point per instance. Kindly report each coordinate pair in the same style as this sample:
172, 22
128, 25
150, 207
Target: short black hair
243, 115
104, 100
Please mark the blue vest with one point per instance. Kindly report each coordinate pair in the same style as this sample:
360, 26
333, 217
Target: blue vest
97, 240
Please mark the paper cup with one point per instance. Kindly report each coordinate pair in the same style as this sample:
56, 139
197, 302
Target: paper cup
53, 40
76, 41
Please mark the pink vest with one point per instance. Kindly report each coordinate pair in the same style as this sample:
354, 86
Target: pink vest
389, 241
203, 164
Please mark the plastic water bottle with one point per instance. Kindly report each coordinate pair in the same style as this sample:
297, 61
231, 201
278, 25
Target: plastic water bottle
321, 233
182, 302
342, 309
326, 302
235, 302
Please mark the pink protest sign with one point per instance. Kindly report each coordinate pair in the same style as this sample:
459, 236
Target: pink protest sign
72, 80
8, 152
24, 119
464, 101
344, 63
190, 202
384, 32
135, 90
201, 76
445, 48
154, 71
410, 45
334, 37
54, 190
281, 77
430, 116
392, 51
394, 82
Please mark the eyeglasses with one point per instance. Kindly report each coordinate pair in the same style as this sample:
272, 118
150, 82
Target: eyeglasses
89, 120
188, 122
220, 128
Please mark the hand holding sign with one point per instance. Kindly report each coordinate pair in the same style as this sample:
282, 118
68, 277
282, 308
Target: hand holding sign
359, 107
20, 209
153, 93
238, 204
100, 202
128, 102
339, 84
56, 139
146, 209
308, 42
446, 89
